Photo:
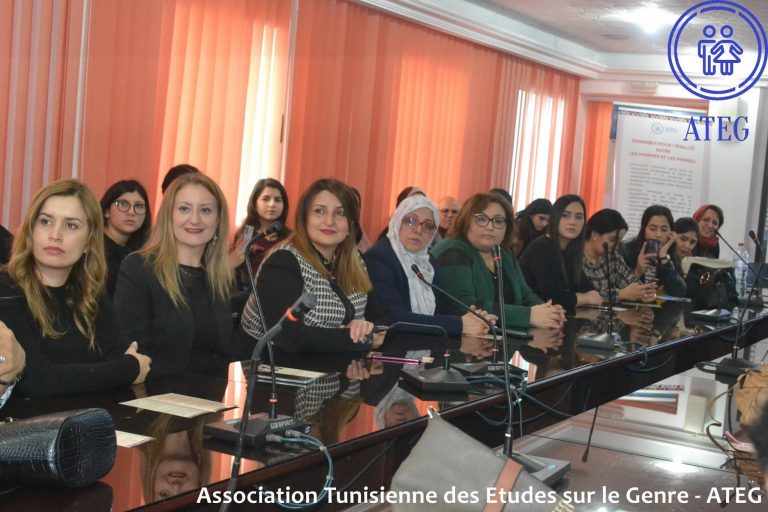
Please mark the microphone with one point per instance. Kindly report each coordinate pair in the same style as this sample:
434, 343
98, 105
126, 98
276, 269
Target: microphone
271, 230
493, 329
496, 253
734, 251
758, 245
262, 424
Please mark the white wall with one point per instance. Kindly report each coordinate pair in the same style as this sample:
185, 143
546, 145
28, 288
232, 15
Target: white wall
735, 168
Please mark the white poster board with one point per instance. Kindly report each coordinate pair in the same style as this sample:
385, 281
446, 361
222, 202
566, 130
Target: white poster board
654, 164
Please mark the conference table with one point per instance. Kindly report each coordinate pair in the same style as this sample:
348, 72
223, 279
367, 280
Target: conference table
367, 417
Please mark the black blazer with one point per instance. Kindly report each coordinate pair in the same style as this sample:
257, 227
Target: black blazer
164, 332
390, 287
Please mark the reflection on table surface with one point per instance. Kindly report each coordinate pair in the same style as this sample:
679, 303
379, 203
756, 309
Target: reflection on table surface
349, 396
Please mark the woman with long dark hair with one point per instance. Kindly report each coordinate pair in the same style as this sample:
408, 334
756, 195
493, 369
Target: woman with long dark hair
658, 262
127, 220
267, 206
552, 264
530, 224
607, 270
320, 257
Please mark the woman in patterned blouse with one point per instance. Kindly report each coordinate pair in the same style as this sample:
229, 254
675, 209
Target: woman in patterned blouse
319, 257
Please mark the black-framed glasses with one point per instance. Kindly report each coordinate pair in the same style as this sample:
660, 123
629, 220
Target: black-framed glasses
446, 211
138, 208
412, 221
482, 220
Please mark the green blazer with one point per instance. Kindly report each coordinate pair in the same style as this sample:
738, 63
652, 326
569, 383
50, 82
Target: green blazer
464, 274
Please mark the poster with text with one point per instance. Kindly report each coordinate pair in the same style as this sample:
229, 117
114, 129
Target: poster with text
654, 164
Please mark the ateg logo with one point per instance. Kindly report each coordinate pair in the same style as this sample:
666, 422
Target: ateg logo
729, 56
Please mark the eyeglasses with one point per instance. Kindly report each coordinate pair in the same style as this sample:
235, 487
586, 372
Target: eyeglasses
446, 211
412, 221
138, 208
482, 220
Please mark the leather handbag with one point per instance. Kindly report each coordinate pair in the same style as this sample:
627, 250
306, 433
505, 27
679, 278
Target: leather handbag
750, 394
71, 449
710, 283
462, 474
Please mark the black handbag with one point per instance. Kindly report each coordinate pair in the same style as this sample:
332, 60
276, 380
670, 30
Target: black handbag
71, 449
710, 285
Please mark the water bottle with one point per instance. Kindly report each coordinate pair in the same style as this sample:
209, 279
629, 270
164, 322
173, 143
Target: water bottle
741, 269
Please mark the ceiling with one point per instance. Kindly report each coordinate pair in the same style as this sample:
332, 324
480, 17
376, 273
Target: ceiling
593, 23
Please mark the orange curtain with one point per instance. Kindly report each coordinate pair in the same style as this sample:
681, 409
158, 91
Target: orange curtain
384, 103
186, 81
40, 42
127, 89
594, 162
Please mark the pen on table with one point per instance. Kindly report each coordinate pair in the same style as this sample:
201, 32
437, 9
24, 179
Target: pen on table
399, 360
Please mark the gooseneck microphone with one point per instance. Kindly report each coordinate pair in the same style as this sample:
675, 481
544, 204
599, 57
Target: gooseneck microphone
464, 306
734, 251
508, 435
753, 237
264, 424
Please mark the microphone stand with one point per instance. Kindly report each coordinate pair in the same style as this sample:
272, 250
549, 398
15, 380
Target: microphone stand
442, 379
734, 251
531, 464
735, 366
263, 426
484, 367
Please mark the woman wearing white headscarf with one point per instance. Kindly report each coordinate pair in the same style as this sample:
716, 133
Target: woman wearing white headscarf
403, 297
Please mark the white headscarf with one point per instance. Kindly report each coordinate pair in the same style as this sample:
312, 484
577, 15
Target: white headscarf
422, 297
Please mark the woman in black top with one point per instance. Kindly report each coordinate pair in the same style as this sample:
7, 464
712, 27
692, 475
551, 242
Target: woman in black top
172, 297
127, 219
552, 264
267, 206
530, 224
52, 299
656, 224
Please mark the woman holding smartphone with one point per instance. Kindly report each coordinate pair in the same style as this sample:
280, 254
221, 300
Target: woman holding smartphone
649, 253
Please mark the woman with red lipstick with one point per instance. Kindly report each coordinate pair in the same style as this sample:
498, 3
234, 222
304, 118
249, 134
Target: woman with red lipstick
320, 257
172, 297
267, 206
52, 299
401, 294
710, 218
465, 264
552, 264
127, 219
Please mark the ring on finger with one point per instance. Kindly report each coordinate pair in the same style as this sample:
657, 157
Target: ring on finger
2, 358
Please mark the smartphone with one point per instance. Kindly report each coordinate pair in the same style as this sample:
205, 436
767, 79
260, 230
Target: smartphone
652, 246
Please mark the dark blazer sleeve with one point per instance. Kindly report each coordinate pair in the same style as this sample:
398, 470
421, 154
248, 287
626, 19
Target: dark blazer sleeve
543, 272
390, 286
280, 284
45, 377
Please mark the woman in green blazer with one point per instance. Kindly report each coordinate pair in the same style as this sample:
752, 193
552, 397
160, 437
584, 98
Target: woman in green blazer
466, 267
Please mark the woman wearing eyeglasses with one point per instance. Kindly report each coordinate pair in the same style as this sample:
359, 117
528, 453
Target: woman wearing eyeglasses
321, 258
127, 220
552, 264
466, 267
402, 295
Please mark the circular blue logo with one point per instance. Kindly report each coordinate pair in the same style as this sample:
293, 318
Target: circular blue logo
657, 128
721, 68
